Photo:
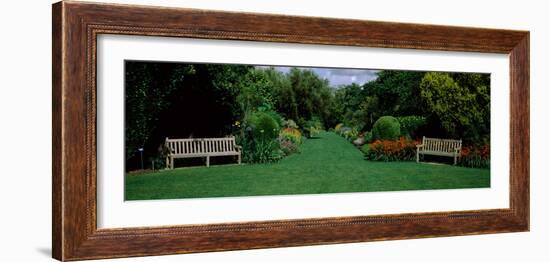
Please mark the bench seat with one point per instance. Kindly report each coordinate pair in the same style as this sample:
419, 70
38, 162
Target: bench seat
234, 153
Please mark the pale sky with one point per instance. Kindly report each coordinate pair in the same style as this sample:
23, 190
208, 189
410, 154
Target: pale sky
337, 76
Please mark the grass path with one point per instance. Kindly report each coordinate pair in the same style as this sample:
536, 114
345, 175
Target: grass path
326, 164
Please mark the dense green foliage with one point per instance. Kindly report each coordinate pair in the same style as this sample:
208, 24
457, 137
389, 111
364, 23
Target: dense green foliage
263, 125
348, 106
148, 91
312, 127
410, 125
311, 97
365, 149
258, 137
393, 93
328, 164
396, 92
386, 127
461, 103
368, 137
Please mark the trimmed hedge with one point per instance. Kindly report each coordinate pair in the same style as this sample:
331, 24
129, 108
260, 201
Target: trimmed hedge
386, 128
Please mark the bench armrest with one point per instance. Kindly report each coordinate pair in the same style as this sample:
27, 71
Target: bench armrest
419, 146
239, 148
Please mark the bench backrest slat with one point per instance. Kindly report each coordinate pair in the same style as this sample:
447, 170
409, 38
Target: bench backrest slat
189, 146
441, 145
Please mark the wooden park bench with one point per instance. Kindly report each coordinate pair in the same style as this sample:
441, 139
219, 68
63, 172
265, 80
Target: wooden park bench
201, 147
439, 147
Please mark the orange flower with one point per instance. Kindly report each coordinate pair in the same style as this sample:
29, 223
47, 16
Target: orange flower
400, 149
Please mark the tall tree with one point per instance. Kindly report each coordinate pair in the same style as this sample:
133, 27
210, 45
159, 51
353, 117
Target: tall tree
305, 96
460, 102
148, 87
397, 91
347, 101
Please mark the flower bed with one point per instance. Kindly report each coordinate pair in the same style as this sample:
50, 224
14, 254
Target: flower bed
475, 156
290, 140
391, 150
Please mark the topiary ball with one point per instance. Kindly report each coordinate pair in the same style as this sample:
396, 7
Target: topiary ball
386, 128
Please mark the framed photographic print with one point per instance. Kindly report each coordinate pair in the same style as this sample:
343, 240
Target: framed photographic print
183, 130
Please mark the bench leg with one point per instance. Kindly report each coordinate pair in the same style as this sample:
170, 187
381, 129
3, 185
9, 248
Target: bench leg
167, 162
171, 162
239, 158
455, 161
207, 161
417, 156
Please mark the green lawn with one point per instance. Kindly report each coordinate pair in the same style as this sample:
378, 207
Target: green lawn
326, 164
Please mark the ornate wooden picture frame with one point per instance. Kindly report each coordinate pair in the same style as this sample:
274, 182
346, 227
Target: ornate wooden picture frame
76, 26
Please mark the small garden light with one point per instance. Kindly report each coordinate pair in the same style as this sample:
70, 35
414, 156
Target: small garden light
141, 155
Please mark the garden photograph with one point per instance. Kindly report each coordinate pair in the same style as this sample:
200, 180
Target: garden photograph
198, 130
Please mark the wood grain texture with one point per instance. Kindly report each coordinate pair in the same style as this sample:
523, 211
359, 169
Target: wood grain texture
519, 130
76, 26
57, 198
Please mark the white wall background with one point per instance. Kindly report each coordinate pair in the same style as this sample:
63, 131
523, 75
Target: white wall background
25, 117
